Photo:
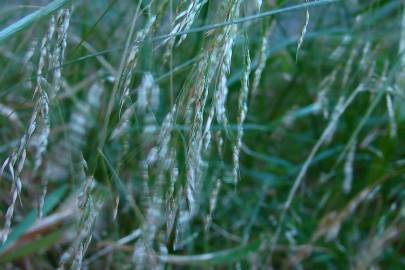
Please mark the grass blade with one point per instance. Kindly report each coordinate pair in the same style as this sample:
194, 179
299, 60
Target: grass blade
50, 202
38, 245
214, 258
28, 20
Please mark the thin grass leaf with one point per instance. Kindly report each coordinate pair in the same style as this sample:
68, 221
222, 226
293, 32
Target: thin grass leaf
304, 31
214, 258
38, 245
50, 202
28, 20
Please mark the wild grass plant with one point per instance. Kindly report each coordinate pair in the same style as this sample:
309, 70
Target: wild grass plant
197, 134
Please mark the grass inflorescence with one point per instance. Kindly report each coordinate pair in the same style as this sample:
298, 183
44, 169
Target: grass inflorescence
197, 134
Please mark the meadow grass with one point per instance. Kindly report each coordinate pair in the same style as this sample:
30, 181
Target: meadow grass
198, 134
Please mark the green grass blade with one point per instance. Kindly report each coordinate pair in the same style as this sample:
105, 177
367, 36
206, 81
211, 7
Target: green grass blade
28, 20
214, 258
40, 244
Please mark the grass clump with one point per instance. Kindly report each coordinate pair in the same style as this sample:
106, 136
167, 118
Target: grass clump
182, 134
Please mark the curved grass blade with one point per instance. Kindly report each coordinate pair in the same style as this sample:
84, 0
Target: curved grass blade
214, 258
50, 202
28, 20
38, 245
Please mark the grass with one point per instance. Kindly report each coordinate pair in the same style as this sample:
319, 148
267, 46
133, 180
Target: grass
28, 20
198, 134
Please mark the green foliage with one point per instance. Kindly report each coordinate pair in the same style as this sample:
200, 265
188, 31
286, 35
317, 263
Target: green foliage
199, 134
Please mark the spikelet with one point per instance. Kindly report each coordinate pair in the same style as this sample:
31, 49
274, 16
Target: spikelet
304, 31
132, 58
58, 56
224, 44
391, 115
195, 119
348, 169
147, 94
116, 205
171, 202
206, 135
15, 162
213, 69
221, 94
45, 51
243, 107
186, 18
55, 61
262, 62
182, 22
147, 104
163, 158
42, 100
218, 62
40, 141
213, 203
153, 219
194, 146
89, 207
207, 130
124, 123
165, 133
